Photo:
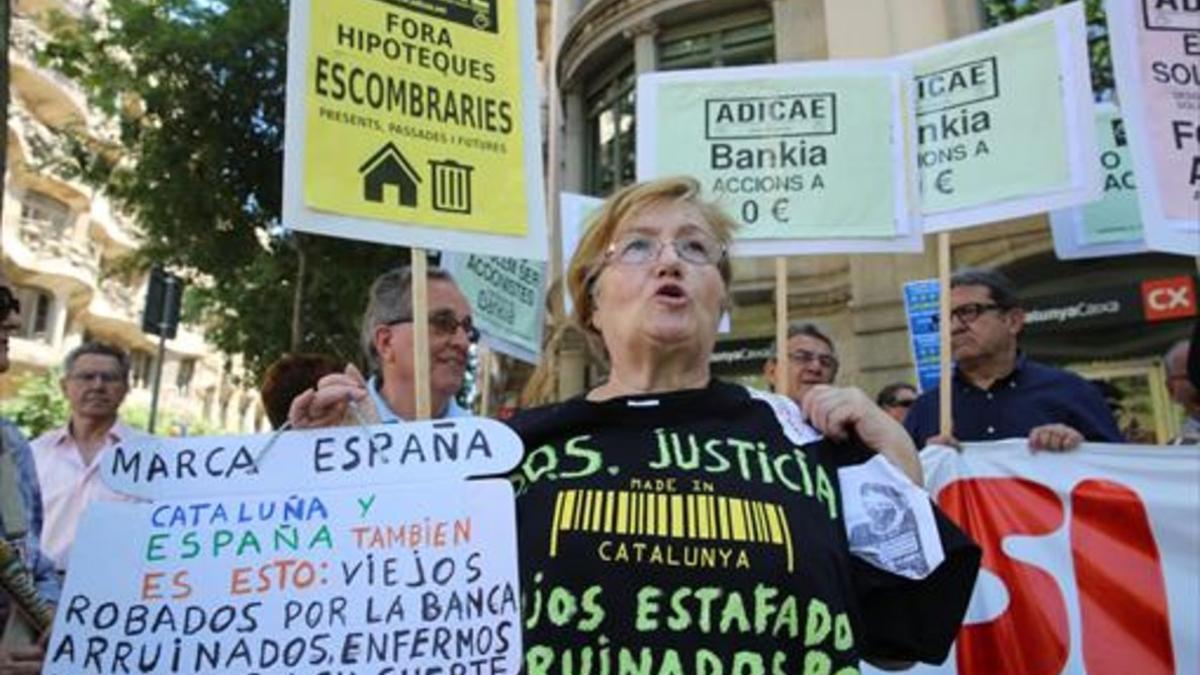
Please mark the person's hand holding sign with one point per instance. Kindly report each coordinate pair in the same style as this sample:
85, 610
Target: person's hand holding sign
1054, 437
329, 403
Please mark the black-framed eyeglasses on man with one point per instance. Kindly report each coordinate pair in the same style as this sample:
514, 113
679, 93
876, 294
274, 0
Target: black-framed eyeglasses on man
445, 323
970, 312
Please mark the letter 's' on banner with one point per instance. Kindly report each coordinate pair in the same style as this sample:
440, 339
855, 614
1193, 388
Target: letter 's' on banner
1089, 557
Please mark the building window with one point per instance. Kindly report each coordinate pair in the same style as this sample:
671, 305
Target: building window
742, 39
42, 208
612, 151
142, 366
243, 419
183, 376
37, 307
206, 403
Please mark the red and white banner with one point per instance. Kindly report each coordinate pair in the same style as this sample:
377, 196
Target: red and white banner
1091, 559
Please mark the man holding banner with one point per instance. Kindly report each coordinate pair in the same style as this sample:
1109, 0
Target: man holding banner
998, 392
813, 360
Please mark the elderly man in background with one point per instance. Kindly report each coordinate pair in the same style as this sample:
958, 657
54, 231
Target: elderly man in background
95, 381
1183, 392
999, 393
812, 362
387, 342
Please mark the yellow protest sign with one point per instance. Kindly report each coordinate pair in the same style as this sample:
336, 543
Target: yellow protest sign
414, 113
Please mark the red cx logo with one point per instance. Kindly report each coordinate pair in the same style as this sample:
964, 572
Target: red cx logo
1173, 298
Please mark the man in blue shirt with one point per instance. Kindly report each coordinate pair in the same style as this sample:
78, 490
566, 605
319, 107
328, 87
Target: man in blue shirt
387, 342
20, 500
998, 392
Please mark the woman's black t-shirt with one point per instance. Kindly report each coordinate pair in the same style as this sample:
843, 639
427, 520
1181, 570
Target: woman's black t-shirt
701, 532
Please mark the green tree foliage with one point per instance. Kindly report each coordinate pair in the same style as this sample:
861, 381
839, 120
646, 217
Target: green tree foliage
38, 405
197, 91
997, 12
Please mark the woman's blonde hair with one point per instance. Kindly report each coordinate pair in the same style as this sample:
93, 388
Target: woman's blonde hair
589, 258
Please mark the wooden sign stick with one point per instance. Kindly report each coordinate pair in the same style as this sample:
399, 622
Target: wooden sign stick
781, 326
420, 317
946, 419
485, 381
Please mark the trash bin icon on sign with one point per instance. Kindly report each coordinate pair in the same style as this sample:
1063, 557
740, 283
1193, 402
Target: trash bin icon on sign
451, 186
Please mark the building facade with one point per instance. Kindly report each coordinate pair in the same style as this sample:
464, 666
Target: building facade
60, 242
598, 48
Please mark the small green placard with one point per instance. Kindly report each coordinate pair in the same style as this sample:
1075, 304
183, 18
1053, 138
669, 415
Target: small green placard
790, 157
990, 120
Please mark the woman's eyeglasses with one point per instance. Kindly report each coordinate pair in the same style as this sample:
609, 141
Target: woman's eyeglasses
697, 249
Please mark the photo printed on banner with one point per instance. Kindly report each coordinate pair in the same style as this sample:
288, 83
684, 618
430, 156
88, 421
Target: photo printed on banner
889, 520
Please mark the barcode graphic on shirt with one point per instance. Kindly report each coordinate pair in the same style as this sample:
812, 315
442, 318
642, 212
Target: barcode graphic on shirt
691, 517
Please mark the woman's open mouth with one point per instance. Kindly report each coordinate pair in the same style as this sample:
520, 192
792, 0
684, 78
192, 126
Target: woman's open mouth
672, 293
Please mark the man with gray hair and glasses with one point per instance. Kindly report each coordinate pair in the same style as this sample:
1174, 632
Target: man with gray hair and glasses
812, 361
95, 381
997, 392
387, 341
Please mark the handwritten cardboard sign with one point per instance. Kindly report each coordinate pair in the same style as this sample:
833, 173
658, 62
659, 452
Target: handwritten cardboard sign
507, 298
377, 557
442, 450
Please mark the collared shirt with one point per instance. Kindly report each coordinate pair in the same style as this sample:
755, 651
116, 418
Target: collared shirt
69, 486
1030, 396
21, 518
1189, 433
388, 416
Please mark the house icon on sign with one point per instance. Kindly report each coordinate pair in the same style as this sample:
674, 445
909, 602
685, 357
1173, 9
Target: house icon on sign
385, 168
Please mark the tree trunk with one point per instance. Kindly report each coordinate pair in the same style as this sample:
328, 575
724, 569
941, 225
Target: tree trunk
298, 297
5, 30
